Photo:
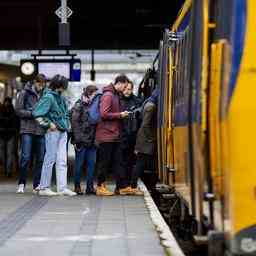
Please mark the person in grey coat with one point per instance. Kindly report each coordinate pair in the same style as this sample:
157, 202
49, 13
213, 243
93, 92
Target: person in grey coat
32, 134
146, 143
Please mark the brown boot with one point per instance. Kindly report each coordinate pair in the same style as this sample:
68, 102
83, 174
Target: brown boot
125, 191
137, 192
103, 191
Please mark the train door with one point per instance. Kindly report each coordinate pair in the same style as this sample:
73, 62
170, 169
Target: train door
219, 76
167, 73
198, 110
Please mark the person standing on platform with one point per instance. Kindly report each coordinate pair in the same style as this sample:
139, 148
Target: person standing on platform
32, 135
51, 113
8, 130
108, 137
83, 138
146, 143
130, 103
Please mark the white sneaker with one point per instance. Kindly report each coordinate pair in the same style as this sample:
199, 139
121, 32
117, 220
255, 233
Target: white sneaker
21, 189
46, 192
36, 190
67, 192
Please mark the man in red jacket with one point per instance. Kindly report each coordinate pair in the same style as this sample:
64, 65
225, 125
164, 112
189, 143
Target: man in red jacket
108, 133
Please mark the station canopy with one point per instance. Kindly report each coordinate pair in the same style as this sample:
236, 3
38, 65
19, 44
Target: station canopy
30, 24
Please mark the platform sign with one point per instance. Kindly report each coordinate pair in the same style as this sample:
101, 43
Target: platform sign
70, 68
50, 69
64, 12
76, 71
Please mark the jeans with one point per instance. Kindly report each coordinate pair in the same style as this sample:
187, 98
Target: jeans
30, 144
8, 154
87, 155
110, 154
56, 153
144, 162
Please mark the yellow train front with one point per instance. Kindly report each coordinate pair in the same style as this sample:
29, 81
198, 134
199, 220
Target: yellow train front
207, 123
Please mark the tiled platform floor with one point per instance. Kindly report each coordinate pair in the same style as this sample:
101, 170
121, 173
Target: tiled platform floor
82, 225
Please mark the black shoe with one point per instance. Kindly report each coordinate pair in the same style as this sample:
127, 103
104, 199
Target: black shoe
78, 190
117, 192
90, 192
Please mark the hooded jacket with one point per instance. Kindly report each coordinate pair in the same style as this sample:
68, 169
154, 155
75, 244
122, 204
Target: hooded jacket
83, 132
26, 102
52, 108
108, 130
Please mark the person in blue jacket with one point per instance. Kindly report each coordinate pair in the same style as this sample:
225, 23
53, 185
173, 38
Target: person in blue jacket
52, 113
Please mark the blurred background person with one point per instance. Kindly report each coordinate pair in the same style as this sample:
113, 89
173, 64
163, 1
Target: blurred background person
8, 129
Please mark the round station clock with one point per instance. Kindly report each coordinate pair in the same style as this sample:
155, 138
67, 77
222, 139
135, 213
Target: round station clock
27, 68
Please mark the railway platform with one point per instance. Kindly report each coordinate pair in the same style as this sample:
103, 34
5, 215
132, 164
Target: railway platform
81, 225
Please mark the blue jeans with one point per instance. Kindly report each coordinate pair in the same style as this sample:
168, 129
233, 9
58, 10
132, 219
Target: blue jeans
7, 154
87, 155
30, 144
56, 153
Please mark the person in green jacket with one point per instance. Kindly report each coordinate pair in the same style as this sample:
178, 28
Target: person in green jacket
52, 113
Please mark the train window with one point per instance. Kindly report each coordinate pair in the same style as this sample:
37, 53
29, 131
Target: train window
176, 73
223, 9
177, 82
181, 74
183, 56
186, 68
180, 69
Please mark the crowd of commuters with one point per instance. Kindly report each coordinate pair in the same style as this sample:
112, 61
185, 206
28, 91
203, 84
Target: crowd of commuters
114, 130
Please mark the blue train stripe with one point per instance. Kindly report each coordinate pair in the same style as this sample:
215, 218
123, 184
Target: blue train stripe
185, 22
237, 42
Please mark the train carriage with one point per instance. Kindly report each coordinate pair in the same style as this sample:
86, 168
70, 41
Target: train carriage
206, 138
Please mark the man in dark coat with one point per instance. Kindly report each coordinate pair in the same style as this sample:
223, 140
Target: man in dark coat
146, 143
32, 134
130, 103
108, 137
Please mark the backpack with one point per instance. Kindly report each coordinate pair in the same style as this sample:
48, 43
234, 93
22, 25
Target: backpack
94, 110
82, 117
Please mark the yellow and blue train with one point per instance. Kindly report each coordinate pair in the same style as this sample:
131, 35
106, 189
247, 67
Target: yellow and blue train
207, 123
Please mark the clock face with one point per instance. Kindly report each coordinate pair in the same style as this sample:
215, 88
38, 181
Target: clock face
27, 68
